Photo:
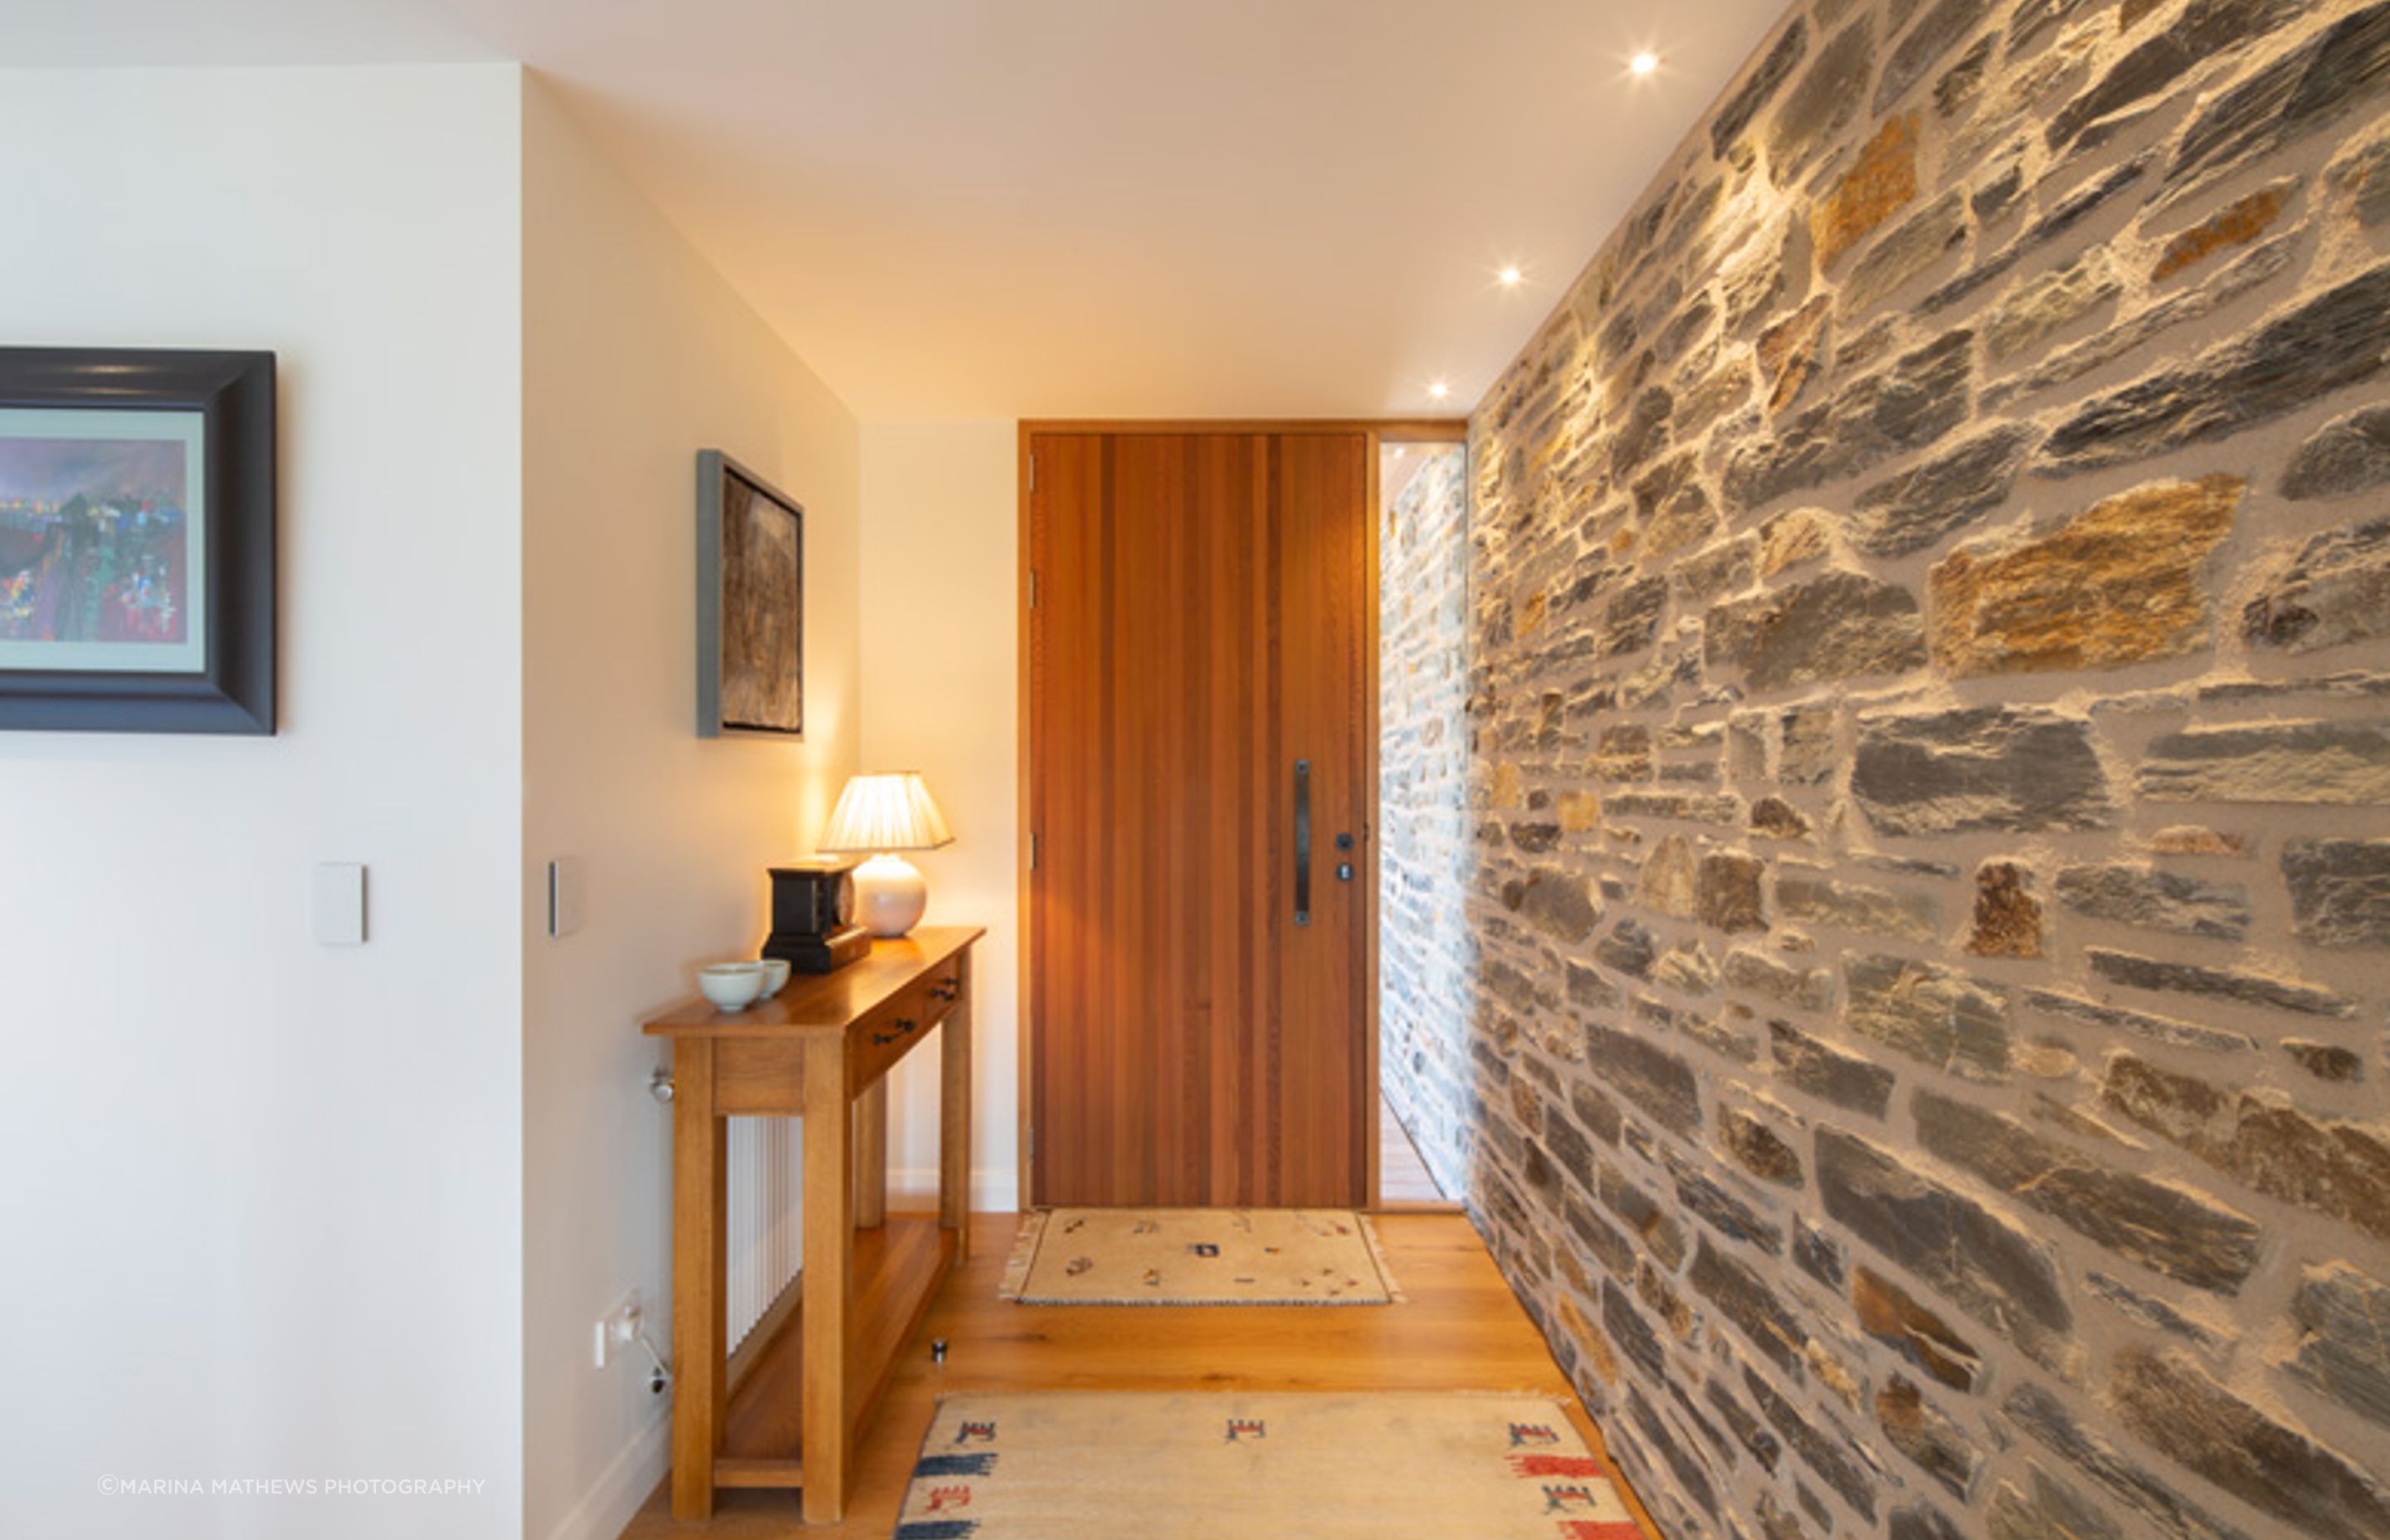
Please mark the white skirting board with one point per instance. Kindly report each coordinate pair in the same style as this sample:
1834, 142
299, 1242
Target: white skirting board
634, 1471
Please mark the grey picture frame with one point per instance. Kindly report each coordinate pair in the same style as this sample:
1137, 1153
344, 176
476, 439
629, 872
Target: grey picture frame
749, 603
232, 690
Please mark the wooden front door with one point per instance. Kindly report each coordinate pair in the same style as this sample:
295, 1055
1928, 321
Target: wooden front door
1201, 776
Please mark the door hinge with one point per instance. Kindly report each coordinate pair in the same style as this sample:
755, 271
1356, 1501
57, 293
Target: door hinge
1033, 587
1032, 850
1033, 472
1032, 1156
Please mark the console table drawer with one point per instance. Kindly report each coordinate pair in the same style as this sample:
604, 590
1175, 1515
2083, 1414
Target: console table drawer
892, 1031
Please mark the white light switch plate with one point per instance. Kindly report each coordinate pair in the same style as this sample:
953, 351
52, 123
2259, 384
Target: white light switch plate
564, 896
339, 904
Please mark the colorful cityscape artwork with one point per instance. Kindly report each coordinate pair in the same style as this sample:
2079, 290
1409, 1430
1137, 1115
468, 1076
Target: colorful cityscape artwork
97, 541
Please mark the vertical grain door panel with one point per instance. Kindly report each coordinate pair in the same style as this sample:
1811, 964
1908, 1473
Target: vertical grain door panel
1201, 625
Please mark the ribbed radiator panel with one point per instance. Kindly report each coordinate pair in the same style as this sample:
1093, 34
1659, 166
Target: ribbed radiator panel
766, 1242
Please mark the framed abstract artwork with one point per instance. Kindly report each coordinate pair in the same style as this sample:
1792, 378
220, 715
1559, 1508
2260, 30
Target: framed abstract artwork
750, 603
137, 541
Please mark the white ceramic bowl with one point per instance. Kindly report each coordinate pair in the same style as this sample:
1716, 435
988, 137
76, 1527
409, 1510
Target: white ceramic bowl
731, 987
776, 975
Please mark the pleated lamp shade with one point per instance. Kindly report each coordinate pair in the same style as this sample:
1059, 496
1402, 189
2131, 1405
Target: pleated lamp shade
886, 812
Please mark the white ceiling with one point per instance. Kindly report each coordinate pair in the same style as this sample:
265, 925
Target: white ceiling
1003, 208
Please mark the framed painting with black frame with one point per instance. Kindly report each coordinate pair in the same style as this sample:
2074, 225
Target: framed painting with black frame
137, 541
750, 603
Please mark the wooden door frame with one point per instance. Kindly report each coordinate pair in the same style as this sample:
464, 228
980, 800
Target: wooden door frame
1378, 432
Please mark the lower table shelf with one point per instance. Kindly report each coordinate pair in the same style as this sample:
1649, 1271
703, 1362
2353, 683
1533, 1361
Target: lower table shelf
897, 1270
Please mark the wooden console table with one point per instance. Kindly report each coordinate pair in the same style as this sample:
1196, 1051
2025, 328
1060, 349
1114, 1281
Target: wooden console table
810, 1052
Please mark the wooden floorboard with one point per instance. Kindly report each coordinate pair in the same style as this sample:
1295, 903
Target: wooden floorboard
1460, 1329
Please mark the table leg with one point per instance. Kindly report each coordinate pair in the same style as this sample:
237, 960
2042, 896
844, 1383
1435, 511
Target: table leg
700, 1211
872, 1156
954, 1113
828, 1280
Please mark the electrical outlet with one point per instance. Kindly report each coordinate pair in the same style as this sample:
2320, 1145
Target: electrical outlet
618, 1330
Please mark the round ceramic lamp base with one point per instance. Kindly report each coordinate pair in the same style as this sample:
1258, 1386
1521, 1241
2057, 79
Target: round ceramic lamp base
889, 896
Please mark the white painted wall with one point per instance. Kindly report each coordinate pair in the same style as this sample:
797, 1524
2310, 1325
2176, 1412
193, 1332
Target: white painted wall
637, 354
941, 572
261, 1213
312, 1213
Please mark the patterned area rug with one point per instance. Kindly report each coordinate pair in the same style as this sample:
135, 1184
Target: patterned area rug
1197, 1256
1101, 1465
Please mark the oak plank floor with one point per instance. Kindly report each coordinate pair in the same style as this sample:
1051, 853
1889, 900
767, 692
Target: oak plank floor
1460, 1329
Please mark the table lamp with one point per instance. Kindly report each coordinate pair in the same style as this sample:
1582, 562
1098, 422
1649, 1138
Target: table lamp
883, 813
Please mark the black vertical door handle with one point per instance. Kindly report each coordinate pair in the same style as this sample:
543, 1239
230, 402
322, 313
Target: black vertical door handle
1302, 842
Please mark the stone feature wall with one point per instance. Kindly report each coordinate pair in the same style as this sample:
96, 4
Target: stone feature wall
1426, 956
1930, 769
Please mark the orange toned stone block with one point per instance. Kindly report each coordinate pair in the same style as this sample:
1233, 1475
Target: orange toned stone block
2007, 918
2236, 225
2193, 840
1597, 1353
1508, 788
1526, 1104
1887, 1313
1789, 349
1884, 178
2123, 583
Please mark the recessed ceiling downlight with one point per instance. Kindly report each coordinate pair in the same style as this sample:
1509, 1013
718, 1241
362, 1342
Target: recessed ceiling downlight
1644, 62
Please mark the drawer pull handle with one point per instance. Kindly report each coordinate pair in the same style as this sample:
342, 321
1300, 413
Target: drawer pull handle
904, 1028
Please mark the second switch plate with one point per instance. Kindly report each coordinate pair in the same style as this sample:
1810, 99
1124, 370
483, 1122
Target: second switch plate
564, 896
339, 904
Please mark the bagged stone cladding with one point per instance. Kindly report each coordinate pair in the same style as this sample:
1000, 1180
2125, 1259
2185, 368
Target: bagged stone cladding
1927, 739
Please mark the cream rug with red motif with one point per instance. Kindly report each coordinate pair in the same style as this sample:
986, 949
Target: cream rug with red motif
1101, 1465
1197, 1256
